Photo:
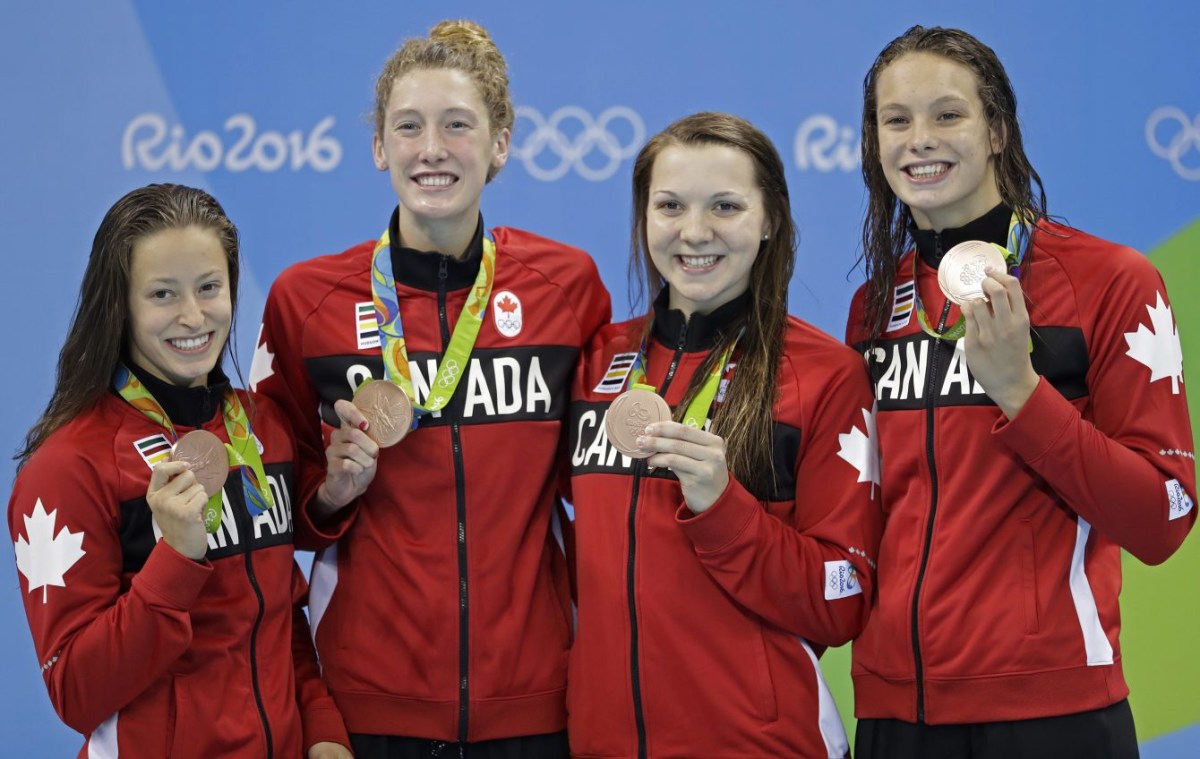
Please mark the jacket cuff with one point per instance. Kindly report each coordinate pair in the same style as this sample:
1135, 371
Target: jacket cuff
324, 724
319, 534
727, 518
173, 577
1038, 425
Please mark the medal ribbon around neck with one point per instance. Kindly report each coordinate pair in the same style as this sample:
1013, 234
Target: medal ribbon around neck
241, 449
698, 410
391, 331
1019, 235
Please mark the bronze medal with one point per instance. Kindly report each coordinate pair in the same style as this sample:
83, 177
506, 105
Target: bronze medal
208, 457
628, 417
388, 411
964, 267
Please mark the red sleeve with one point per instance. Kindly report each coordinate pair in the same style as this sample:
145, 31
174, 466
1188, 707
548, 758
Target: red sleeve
594, 312
279, 373
319, 715
813, 574
1130, 470
99, 647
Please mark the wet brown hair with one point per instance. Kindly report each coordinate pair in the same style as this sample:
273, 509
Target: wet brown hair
744, 419
885, 227
99, 331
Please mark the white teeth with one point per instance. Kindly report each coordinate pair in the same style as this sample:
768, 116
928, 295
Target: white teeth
931, 170
698, 262
191, 343
435, 180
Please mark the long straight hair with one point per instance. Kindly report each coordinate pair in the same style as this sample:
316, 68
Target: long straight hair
744, 419
885, 234
99, 332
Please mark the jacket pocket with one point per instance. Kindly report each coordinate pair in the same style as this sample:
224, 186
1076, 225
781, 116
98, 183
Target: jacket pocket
1029, 584
764, 685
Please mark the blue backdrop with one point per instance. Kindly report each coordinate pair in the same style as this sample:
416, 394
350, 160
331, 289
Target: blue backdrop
267, 106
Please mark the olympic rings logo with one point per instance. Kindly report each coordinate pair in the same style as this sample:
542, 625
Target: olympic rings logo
572, 136
1183, 137
449, 374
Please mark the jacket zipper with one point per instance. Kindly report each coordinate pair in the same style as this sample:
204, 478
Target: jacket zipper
460, 499
245, 525
638, 468
931, 384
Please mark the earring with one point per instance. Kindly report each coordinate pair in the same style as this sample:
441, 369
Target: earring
766, 237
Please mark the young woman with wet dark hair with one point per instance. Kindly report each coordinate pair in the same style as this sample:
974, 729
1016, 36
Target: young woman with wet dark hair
1031, 429
162, 593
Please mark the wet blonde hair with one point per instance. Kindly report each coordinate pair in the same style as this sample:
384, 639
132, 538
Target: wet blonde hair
461, 46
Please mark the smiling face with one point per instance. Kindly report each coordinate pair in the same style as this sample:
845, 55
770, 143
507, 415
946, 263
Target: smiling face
936, 147
438, 147
705, 221
180, 308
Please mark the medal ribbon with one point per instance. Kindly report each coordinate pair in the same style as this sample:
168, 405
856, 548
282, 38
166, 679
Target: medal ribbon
698, 410
1019, 236
391, 331
241, 449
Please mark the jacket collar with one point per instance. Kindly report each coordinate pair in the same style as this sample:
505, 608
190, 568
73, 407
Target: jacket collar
185, 406
421, 269
991, 227
701, 331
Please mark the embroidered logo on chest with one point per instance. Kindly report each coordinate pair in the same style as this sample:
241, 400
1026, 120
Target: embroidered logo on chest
902, 306
153, 449
614, 377
366, 326
506, 311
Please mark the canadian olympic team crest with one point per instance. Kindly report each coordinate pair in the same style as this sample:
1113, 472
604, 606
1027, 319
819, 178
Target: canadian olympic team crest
506, 311
571, 139
1175, 137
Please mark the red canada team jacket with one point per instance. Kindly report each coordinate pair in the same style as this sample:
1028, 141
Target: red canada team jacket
698, 635
440, 601
1000, 566
149, 653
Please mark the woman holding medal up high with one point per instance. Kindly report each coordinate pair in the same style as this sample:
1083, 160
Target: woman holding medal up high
151, 516
1032, 421
722, 546
440, 602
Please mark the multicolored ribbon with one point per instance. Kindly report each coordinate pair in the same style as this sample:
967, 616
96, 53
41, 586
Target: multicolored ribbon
242, 449
1019, 236
391, 331
698, 410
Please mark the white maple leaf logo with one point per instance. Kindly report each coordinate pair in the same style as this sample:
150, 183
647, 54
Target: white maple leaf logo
861, 450
260, 367
1158, 347
44, 559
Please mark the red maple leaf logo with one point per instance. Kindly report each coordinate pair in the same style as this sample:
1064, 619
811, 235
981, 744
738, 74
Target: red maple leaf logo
507, 304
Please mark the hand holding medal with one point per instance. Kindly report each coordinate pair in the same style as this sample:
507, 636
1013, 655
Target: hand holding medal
181, 504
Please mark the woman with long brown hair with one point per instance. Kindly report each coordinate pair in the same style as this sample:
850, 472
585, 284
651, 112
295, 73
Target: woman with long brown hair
157, 573
1033, 424
723, 546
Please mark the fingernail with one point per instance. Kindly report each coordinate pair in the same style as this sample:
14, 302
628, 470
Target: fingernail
651, 430
363, 425
641, 441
